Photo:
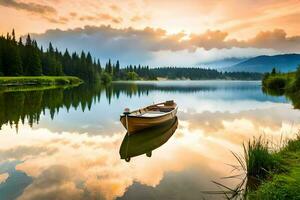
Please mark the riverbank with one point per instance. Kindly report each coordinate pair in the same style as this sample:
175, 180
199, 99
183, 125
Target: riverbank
279, 81
278, 172
39, 80
287, 84
282, 83
283, 181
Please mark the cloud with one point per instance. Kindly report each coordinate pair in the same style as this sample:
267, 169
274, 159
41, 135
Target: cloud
139, 18
3, 177
30, 7
102, 17
22, 152
276, 40
45, 11
115, 8
73, 14
238, 127
150, 39
134, 46
56, 182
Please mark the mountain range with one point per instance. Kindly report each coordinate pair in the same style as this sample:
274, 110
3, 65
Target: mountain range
282, 63
223, 63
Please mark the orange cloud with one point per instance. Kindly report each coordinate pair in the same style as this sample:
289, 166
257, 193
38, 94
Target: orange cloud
102, 17
152, 40
240, 19
30, 7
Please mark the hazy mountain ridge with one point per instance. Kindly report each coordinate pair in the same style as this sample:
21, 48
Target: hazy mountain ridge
219, 64
283, 63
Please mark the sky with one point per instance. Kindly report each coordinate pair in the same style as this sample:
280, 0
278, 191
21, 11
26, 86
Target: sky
159, 32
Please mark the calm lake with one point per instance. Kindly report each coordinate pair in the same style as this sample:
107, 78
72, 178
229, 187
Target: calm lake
64, 143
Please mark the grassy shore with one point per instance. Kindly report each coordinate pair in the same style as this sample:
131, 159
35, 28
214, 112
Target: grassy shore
39, 80
287, 84
26, 88
279, 81
282, 176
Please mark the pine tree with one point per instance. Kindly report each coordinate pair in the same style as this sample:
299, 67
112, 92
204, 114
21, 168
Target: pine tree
67, 64
99, 66
1, 55
8, 36
89, 59
28, 59
50, 49
11, 60
20, 43
13, 35
51, 63
32, 62
117, 73
109, 67
28, 41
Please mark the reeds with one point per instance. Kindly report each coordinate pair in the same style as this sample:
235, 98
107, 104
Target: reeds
258, 161
254, 165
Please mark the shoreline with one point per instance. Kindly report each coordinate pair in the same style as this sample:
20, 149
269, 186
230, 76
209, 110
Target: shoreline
39, 81
284, 181
216, 79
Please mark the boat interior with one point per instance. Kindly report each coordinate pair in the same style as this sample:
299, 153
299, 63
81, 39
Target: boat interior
155, 110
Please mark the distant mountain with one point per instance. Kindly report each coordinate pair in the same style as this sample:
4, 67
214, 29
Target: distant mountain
283, 63
220, 64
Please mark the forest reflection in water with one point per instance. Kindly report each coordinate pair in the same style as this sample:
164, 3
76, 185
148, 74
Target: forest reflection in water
20, 105
74, 134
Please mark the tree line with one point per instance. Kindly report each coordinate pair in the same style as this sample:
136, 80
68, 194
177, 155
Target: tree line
18, 58
194, 73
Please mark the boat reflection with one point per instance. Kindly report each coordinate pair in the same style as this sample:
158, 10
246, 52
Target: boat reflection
145, 141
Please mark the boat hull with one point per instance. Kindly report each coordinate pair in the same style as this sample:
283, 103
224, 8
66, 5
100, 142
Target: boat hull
147, 140
137, 123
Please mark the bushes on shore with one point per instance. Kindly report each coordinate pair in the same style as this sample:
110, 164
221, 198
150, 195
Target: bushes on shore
275, 82
282, 81
105, 78
287, 84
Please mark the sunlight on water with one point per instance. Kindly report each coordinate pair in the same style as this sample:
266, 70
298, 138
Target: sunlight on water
65, 143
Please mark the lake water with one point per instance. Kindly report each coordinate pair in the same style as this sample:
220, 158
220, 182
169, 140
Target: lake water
64, 143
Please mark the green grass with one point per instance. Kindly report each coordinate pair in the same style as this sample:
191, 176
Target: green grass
282, 182
259, 161
26, 88
278, 81
270, 171
287, 84
39, 80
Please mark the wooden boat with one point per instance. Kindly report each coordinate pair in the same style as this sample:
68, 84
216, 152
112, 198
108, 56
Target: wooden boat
149, 116
147, 140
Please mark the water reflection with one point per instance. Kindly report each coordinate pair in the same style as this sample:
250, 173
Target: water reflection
29, 105
21, 105
68, 140
145, 141
293, 96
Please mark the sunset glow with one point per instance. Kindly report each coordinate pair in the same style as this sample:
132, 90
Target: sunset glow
159, 30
